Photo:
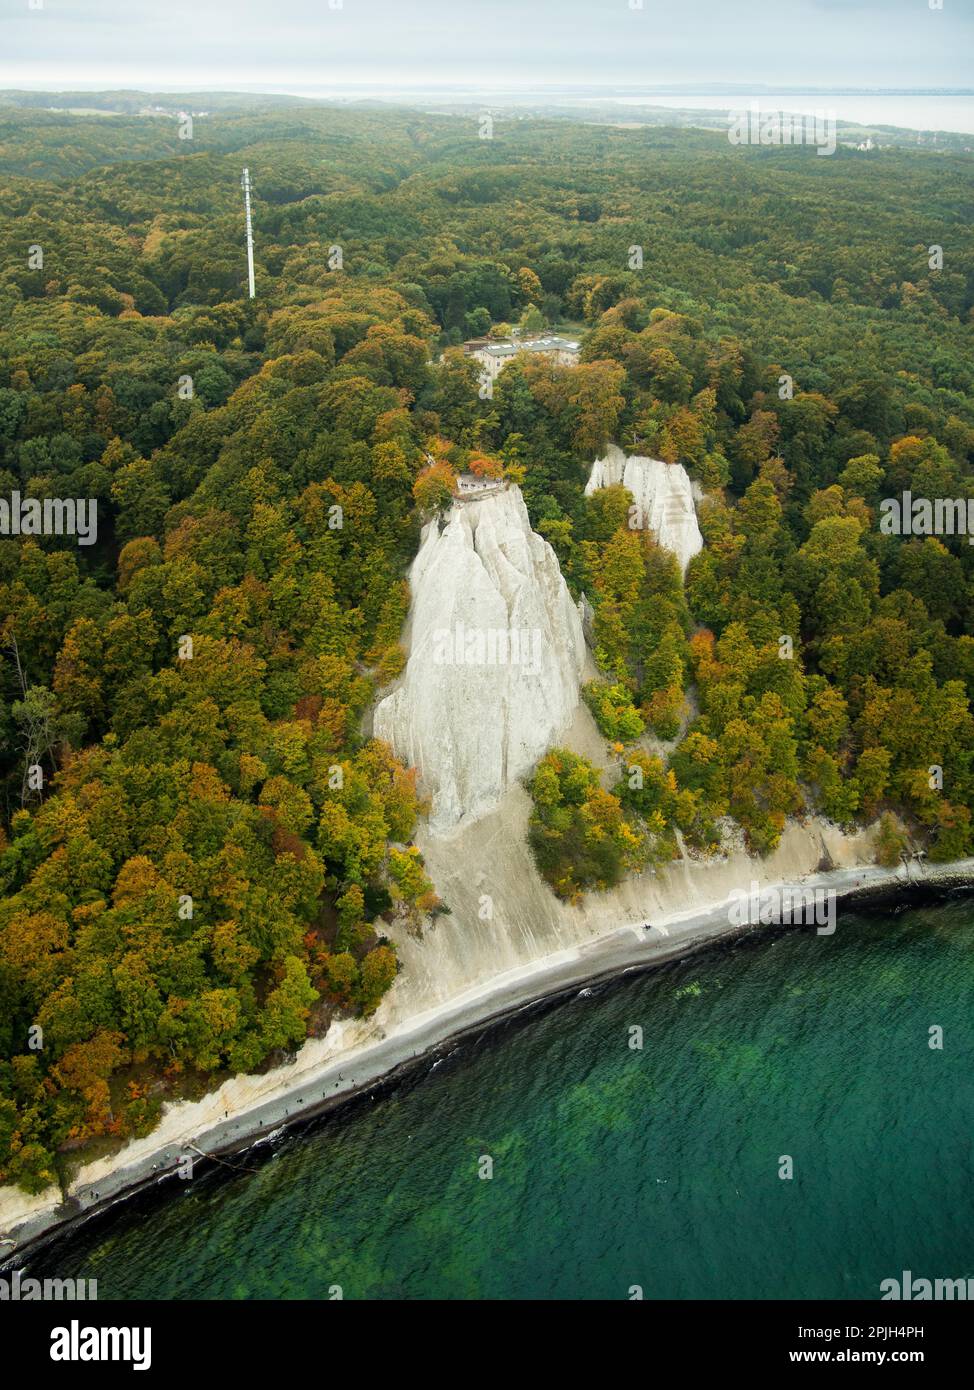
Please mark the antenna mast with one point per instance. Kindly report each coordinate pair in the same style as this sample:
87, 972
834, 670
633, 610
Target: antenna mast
245, 184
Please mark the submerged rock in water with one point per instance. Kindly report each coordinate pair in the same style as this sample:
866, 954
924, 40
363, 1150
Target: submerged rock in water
663, 494
496, 653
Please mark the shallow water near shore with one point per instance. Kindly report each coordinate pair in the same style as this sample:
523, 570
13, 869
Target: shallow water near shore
617, 1166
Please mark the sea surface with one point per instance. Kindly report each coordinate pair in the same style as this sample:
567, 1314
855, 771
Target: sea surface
555, 1157
907, 112
923, 111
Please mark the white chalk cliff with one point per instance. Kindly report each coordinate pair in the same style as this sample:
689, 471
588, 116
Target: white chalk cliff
663, 494
470, 715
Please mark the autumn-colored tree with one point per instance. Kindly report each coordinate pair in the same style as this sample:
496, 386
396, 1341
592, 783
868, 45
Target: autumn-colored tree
434, 488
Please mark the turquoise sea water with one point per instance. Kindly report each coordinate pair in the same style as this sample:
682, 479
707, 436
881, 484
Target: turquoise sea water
614, 1166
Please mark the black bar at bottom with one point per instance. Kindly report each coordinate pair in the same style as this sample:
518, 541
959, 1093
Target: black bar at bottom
249, 1339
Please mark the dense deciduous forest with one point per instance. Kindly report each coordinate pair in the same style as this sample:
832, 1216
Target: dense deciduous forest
202, 877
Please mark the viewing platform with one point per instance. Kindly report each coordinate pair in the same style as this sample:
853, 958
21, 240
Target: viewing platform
470, 485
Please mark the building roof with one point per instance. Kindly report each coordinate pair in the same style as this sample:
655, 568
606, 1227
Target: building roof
508, 349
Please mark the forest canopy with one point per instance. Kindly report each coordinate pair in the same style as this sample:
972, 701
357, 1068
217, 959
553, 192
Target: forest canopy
204, 870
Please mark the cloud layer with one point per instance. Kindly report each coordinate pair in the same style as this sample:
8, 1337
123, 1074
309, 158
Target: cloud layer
868, 43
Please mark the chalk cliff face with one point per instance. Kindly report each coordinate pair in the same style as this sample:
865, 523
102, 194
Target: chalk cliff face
663, 494
496, 655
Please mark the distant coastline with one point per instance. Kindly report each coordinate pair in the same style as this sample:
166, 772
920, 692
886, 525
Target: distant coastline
927, 113
924, 109
927, 110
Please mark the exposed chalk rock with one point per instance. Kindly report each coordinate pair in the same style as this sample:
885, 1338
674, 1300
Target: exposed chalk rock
496, 655
663, 494
587, 614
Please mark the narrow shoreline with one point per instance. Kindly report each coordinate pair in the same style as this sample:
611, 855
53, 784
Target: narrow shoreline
388, 1058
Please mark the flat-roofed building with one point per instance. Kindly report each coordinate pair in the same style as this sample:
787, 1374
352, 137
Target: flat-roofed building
495, 356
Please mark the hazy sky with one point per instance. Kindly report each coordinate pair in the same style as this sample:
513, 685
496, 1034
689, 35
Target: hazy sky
287, 43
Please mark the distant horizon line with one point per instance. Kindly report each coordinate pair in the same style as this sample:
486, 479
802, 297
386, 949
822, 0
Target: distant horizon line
711, 89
